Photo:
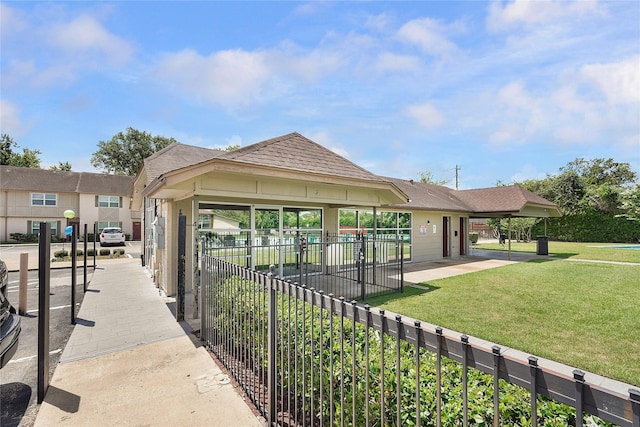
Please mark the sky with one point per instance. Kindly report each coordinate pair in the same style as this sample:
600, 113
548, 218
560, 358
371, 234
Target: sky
500, 91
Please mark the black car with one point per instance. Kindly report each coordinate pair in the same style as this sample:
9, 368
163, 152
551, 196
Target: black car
9, 320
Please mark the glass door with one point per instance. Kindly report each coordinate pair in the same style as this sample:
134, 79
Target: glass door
267, 239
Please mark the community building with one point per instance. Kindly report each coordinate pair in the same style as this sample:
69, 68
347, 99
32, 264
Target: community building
279, 189
30, 196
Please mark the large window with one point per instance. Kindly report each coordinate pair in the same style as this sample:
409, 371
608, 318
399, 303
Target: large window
224, 225
43, 199
109, 201
389, 224
35, 227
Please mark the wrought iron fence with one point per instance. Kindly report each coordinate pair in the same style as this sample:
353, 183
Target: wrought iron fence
349, 265
306, 358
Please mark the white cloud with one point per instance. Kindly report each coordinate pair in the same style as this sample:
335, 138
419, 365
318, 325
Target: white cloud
567, 99
11, 20
516, 14
228, 78
388, 61
429, 35
86, 35
326, 140
10, 122
238, 78
515, 96
427, 115
620, 81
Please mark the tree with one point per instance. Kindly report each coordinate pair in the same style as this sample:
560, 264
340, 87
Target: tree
426, 177
232, 147
124, 154
61, 166
9, 157
631, 204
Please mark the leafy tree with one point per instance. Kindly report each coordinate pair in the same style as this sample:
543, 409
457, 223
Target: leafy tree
232, 147
427, 177
568, 191
124, 154
61, 166
631, 204
10, 157
601, 171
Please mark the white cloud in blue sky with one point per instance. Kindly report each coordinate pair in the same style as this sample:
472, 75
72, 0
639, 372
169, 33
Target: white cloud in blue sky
506, 90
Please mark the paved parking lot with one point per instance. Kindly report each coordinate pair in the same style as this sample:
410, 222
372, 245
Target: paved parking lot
19, 379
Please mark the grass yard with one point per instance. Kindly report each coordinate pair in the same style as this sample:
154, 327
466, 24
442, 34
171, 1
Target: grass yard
593, 251
585, 315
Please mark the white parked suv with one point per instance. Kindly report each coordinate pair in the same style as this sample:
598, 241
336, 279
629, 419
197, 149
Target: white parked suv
112, 236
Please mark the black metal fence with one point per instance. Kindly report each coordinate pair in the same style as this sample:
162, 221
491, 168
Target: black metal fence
306, 358
351, 265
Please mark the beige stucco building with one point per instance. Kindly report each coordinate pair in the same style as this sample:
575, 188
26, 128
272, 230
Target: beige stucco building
291, 178
30, 196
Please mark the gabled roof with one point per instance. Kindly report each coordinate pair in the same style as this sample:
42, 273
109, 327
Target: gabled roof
505, 200
289, 152
295, 152
490, 202
177, 156
429, 196
46, 180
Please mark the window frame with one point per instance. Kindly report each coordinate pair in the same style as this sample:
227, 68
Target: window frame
44, 199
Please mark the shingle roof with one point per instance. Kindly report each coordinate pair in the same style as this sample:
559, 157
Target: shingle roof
177, 156
509, 198
28, 179
429, 196
295, 152
505, 199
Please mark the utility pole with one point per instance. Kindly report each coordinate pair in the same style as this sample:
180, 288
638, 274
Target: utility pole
457, 176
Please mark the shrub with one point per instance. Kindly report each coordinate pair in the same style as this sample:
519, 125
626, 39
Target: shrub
118, 252
242, 306
61, 253
22, 237
79, 252
91, 252
105, 252
473, 237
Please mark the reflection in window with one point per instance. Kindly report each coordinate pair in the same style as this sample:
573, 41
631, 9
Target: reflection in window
42, 199
390, 225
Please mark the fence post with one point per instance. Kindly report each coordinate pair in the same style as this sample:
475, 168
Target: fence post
578, 377
496, 389
634, 396
84, 261
271, 356
44, 302
182, 246
533, 366
74, 266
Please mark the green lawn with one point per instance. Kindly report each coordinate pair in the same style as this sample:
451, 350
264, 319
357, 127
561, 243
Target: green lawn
585, 315
594, 251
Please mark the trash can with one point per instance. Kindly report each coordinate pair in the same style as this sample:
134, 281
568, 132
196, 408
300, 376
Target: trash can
542, 246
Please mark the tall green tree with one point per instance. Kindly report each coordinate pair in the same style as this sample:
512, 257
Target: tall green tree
631, 204
426, 177
61, 166
124, 154
9, 156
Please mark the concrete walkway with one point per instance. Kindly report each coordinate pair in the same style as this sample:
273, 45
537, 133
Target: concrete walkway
128, 362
